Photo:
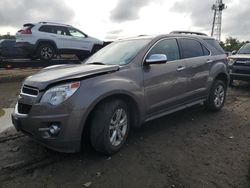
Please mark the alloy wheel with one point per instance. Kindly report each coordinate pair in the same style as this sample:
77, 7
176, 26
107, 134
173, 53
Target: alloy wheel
118, 127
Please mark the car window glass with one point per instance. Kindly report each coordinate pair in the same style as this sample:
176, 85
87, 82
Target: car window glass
119, 53
205, 50
169, 47
245, 49
191, 48
75, 33
59, 31
46, 29
215, 45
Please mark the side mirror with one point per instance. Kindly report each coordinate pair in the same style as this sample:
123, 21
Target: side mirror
234, 52
157, 59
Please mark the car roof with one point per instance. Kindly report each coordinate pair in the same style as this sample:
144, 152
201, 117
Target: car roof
48, 23
167, 36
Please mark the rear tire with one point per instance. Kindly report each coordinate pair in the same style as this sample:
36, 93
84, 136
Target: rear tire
110, 126
46, 52
217, 96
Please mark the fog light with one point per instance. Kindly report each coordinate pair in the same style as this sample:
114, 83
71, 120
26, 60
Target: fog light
54, 129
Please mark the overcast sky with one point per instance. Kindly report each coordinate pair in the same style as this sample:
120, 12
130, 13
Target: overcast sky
111, 19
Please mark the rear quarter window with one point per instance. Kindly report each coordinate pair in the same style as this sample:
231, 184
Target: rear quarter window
213, 43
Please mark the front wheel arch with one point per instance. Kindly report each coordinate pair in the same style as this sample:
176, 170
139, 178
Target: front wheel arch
134, 114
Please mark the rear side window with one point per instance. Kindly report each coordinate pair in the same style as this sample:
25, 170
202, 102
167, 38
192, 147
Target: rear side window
46, 29
191, 48
54, 29
169, 47
215, 45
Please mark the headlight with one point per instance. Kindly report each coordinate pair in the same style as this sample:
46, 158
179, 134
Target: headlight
58, 94
231, 62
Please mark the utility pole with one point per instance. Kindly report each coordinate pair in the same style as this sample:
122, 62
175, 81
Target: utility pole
218, 7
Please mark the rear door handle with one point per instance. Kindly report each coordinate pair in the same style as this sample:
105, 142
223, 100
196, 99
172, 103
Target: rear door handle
181, 68
209, 61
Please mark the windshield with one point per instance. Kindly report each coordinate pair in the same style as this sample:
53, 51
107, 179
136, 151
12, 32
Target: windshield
245, 49
118, 53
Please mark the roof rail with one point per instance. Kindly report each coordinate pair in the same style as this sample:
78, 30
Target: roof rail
53, 23
188, 32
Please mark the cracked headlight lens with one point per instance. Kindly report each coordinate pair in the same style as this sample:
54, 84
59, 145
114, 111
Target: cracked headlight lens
58, 94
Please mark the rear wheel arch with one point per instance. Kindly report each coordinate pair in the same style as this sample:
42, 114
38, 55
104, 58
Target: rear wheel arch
223, 77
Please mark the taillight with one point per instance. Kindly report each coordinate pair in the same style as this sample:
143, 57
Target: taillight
26, 31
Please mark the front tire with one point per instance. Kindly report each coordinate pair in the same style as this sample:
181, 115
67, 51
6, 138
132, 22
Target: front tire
46, 52
217, 96
110, 126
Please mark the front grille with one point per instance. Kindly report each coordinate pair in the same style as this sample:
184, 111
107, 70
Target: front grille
23, 108
27, 90
244, 64
242, 71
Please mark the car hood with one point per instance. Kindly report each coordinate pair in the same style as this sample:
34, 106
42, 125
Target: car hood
240, 56
60, 73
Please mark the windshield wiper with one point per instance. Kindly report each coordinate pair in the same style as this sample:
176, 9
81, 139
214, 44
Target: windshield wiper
97, 63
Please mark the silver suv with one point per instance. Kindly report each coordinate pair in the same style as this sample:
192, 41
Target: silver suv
45, 39
123, 85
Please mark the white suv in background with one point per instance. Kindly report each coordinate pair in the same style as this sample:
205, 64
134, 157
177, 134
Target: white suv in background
45, 39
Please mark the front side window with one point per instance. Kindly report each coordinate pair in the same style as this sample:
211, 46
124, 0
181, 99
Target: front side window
76, 33
191, 48
169, 47
60, 31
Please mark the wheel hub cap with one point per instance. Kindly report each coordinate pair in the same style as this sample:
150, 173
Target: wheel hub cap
46, 52
118, 127
219, 96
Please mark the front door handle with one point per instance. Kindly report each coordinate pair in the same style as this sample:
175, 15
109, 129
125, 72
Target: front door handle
181, 68
209, 61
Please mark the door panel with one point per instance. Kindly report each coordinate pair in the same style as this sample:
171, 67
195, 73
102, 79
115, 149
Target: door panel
165, 84
79, 40
197, 62
197, 72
